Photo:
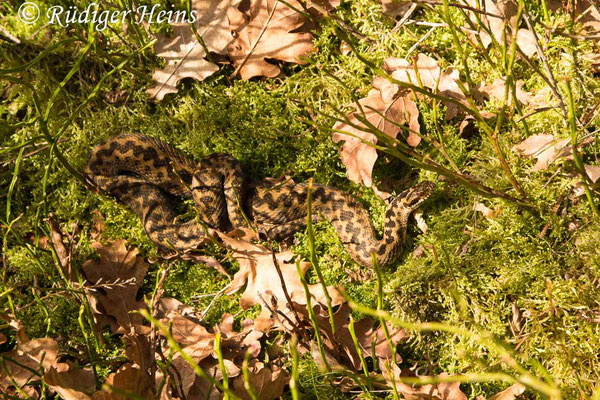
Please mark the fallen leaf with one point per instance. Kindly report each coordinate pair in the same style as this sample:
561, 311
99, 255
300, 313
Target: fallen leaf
258, 272
497, 13
586, 12
97, 224
70, 382
395, 8
510, 393
545, 149
185, 56
116, 278
425, 71
359, 157
593, 173
526, 40
22, 364
268, 383
496, 91
263, 30
128, 379
206, 260
439, 391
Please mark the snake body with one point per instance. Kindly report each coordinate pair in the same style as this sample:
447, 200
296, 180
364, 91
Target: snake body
149, 175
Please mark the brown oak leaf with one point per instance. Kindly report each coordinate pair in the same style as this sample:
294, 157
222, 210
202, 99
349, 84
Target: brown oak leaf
268, 382
545, 149
425, 71
496, 91
438, 391
185, 56
497, 13
395, 8
380, 104
30, 356
33, 358
116, 277
266, 29
129, 381
510, 393
258, 272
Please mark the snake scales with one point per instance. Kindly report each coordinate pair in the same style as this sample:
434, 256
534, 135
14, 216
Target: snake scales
147, 175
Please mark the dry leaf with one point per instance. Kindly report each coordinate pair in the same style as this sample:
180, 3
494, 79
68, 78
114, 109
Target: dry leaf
496, 91
358, 157
268, 383
258, 272
425, 71
593, 173
41, 356
184, 55
117, 276
509, 393
545, 148
265, 29
585, 12
97, 224
70, 382
340, 348
526, 40
439, 391
128, 378
57, 239
30, 356
497, 12
395, 8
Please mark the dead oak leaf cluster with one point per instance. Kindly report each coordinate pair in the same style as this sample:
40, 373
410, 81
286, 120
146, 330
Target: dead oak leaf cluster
496, 15
259, 272
252, 33
270, 279
289, 313
199, 343
35, 359
185, 56
389, 105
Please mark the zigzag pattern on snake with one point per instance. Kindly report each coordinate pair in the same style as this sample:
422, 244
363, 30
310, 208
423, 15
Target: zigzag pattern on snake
147, 174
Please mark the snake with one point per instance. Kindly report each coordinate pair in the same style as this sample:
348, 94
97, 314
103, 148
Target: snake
151, 177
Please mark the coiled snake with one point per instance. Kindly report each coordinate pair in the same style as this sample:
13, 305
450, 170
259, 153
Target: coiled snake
146, 174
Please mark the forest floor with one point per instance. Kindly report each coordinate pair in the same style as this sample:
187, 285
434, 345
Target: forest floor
497, 284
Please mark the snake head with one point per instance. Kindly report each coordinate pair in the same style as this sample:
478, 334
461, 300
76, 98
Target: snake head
416, 195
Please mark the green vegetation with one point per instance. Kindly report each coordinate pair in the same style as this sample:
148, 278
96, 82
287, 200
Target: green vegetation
529, 275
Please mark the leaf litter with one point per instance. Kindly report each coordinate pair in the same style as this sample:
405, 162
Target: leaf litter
156, 369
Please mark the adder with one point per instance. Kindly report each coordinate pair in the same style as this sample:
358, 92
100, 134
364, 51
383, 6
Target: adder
148, 175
